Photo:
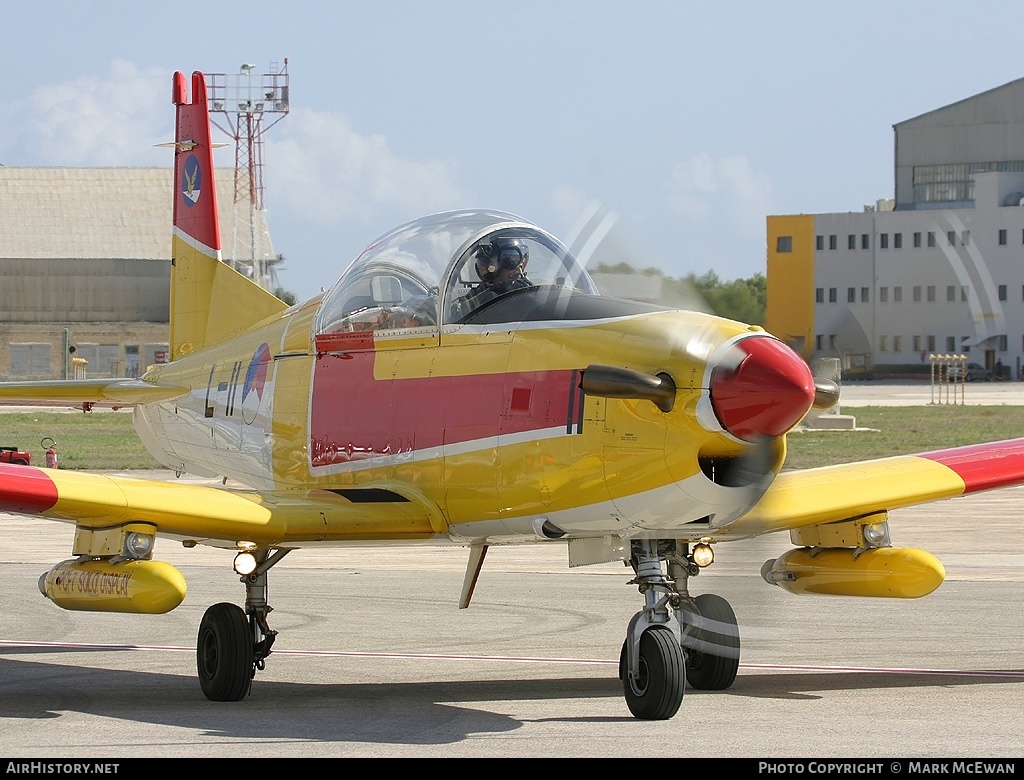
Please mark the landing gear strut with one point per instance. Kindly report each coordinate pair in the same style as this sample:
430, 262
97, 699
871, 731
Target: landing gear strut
234, 643
675, 639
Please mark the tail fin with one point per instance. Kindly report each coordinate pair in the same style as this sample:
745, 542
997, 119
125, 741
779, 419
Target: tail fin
210, 301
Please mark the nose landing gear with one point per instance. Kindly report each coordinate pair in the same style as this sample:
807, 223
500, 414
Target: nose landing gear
675, 639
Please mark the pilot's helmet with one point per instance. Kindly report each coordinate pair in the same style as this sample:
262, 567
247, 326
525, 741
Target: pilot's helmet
500, 253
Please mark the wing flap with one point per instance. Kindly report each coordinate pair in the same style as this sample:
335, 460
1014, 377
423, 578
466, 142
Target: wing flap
849, 490
210, 515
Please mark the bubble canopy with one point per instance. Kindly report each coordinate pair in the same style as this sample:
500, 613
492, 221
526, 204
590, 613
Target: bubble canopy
422, 273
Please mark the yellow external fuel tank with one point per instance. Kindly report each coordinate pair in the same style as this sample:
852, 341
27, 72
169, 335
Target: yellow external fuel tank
144, 587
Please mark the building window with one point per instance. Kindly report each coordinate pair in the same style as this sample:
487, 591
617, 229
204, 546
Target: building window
784, 244
897, 241
833, 295
1003, 343
817, 342
883, 294
917, 240
931, 238
883, 343
931, 344
851, 241
917, 293
917, 343
819, 243
865, 294
819, 294
832, 342
1002, 292
30, 360
897, 343
950, 343
833, 242
104, 359
964, 293
951, 237
931, 293
851, 294
897, 294
1002, 237
865, 241
951, 293
883, 241
965, 237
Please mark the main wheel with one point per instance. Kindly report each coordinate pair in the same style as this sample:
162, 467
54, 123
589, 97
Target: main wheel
658, 692
712, 664
224, 653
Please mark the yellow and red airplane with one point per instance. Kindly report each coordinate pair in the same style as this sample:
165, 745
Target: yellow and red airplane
464, 382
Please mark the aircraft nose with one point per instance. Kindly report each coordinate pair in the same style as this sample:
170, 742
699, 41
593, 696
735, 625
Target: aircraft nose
766, 393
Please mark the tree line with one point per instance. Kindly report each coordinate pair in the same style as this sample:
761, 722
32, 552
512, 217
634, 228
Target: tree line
740, 299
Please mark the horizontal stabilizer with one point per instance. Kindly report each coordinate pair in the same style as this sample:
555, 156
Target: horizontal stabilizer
94, 392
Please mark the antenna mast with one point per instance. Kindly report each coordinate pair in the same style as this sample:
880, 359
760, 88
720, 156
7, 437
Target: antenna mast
244, 100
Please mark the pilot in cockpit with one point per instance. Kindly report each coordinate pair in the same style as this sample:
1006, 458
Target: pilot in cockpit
501, 265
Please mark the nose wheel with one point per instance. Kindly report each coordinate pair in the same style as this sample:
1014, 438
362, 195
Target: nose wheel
676, 639
655, 692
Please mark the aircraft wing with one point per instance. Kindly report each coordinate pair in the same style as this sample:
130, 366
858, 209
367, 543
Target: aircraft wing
88, 392
218, 517
850, 490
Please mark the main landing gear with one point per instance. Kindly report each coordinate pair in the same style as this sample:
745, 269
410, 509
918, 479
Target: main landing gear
234, 643
675, 639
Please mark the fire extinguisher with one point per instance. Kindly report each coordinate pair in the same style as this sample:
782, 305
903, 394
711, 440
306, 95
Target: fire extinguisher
51, 452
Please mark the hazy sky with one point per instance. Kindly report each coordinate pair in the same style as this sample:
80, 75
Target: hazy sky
690, 121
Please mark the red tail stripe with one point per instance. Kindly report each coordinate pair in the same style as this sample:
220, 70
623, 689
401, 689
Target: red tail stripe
984, 466
193, 164
25, 490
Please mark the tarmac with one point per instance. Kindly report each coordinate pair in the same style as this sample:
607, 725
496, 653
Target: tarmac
924, 393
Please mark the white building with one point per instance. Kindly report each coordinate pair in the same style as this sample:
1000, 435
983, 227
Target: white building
937, 270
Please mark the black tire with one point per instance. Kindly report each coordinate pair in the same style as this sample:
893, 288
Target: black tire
657, 694
224, 653
708, 669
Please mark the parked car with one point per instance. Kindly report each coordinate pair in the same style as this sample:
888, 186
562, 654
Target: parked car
14, 455
973, 372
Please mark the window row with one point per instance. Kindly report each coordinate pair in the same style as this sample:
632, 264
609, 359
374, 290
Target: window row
919, 293
891, 240
917, 344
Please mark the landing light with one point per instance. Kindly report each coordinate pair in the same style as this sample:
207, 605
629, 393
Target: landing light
703, 555
245, 563
138, 545
876, 534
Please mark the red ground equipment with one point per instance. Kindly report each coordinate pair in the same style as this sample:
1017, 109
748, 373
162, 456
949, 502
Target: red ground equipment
14, 455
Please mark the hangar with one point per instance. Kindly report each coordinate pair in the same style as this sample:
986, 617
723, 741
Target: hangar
85, 268
937, 269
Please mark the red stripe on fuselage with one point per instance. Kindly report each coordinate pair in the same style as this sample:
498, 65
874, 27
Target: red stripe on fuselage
984, 466
356, 416
25, 490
